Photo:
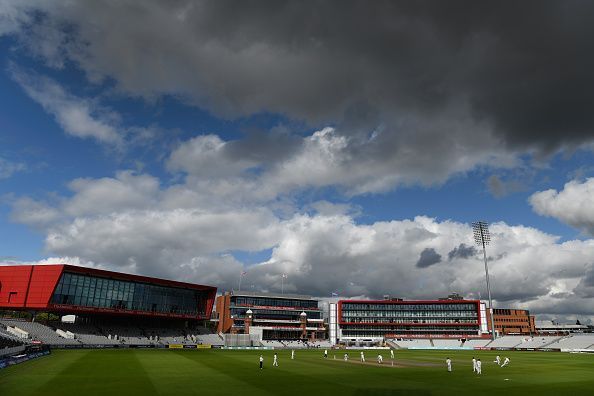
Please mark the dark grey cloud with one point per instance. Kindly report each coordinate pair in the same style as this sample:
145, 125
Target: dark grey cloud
428, 258
585, 287
500, 187
520, 71
462, 251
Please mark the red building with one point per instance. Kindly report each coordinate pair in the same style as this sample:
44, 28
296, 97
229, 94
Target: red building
67, 289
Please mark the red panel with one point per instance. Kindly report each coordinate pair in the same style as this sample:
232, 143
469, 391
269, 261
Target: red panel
44, 280
14, 281
32, 286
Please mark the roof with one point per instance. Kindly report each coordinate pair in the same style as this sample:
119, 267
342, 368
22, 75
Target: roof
272, 295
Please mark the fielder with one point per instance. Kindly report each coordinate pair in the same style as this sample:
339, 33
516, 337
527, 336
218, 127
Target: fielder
380, 359
275, 361
346, 357
473, 365
362, 357
449, 364
479, 366
292, 354
497, 360
325, 353
505, 362
391, 354
261, 361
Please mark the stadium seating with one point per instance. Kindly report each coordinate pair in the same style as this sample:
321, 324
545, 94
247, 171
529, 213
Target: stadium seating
417, 343
212, 339
574, 341
40, 332
446, 343
88, 334
272, 343
537, 342
476, 343
507, 341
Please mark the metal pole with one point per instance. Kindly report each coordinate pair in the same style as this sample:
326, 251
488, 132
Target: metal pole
240, 276
488, 286
283, 284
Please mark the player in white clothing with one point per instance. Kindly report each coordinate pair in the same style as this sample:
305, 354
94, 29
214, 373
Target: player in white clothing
292, 354
505, 362
362, 357
497, 360
261, 361
479, 366
473, 365
275, 360
325, 353
346, 357
380, 359
449, 364
391, 354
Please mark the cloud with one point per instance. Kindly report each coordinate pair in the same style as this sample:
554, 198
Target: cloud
428, 258
420, 100
573, 205
207, 156
34, 213
9, 168
391, 94
462, 252
585, 287
77, 117
320, 252
500, 188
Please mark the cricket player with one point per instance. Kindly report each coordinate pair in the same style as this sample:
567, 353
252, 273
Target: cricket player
380, 359
497, 360
479, 366
505, 362
391, 354
292, 354
473, 365
449, 364
346, 357
261, 361
275, 361
325, 353
362, 357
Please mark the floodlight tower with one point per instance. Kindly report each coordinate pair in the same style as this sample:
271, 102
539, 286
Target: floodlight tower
482, 238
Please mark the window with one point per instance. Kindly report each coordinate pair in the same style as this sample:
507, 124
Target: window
108, 293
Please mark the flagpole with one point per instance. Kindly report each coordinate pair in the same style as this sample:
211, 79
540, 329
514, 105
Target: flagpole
283, 284
240, 276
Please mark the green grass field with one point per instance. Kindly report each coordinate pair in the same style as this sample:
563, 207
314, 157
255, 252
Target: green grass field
222, 372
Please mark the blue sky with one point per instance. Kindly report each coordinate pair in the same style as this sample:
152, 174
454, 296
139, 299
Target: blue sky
196, 151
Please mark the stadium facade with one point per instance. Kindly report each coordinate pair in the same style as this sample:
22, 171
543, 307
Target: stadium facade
270, 316
67, 289
370, 321
513, 321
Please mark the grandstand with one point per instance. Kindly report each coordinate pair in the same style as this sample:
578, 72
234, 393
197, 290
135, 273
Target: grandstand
270, 317
537, 342
476, 343
112, 309
38, 332
574, 341
362, 322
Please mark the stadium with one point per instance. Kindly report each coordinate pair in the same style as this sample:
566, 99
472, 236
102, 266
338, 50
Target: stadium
68, 329
297, 198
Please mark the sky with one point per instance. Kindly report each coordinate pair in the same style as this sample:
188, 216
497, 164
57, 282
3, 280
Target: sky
345, 144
